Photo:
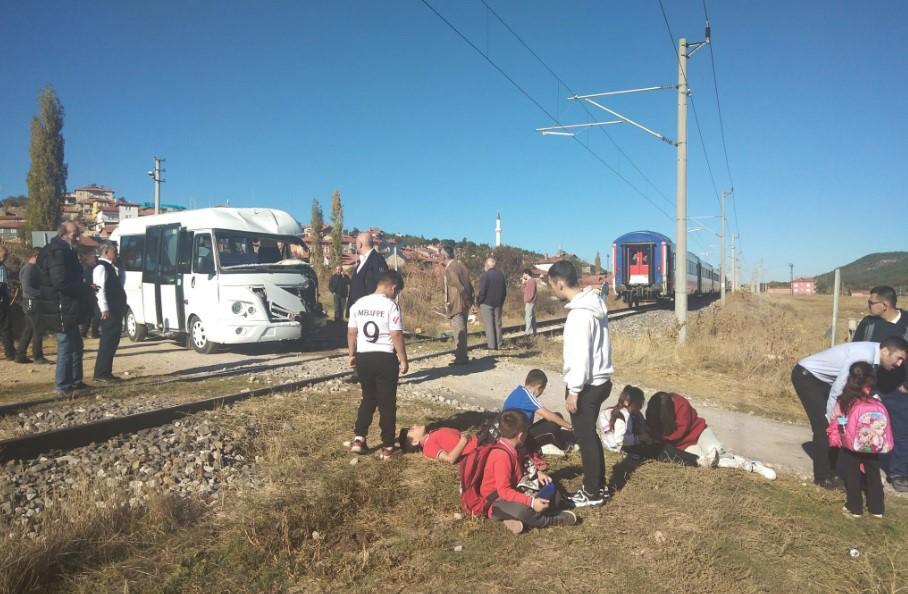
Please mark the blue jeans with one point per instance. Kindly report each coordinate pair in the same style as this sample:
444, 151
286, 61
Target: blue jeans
69, 359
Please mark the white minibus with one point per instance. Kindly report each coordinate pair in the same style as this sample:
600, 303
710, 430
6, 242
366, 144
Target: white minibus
218, 275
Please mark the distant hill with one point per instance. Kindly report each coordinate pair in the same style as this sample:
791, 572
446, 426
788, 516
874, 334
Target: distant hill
885, 268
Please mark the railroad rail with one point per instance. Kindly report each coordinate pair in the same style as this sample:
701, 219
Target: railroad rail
69, 438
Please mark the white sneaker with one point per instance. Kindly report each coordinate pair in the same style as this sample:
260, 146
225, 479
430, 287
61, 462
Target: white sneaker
551, 449
764, 471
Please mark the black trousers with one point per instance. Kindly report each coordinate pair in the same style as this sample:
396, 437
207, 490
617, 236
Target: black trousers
813, 394
855, 483
6, 331
544, 432
111, 329
584, 422
340, 304
90, 328
378, 373
33, 334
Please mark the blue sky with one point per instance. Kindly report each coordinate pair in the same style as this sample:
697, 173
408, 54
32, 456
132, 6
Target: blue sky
276, 103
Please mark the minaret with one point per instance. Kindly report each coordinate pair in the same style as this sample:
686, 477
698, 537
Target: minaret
498, 230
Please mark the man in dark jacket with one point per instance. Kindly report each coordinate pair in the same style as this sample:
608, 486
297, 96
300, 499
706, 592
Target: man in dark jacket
111, 299
370, 266
65, 300
6, 326
32, 332
885, 320
491, 296
339, 285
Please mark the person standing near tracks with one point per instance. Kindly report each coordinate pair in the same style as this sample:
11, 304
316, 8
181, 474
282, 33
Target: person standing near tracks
587, 374
6, 322
339, 285
492, 292
528, 287
111, 300
458, 301
64, 301
32, 332
375, 340
370, 265
884, 320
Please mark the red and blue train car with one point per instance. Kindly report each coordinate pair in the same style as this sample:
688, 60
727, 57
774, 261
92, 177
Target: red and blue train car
644, 269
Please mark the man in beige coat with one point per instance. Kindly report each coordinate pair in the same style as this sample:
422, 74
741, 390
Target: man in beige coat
458, 301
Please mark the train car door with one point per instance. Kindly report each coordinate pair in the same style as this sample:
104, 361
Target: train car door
639, 264
699, 278
162, 285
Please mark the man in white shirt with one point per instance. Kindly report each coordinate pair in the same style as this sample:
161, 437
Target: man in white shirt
112, 305
819, 380
375, 340
587, 374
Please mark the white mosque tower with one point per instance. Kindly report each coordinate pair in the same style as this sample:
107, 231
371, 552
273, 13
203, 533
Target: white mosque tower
498, 230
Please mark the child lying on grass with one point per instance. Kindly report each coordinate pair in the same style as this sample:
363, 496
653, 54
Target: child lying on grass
445, 444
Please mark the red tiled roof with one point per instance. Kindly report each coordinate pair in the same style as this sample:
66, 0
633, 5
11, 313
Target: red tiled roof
93, 188
17, 224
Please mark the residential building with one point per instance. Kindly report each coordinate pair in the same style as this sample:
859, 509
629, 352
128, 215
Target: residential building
804, 286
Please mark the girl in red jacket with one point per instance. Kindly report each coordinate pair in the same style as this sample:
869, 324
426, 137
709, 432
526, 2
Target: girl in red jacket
672, 420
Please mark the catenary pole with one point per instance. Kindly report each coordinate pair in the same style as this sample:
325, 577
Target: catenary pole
837, 287
681, 198
722, 267
791, 277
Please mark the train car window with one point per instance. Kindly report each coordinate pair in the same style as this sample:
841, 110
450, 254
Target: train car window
132, 250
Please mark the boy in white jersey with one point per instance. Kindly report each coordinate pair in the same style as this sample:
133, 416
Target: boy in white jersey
375, 339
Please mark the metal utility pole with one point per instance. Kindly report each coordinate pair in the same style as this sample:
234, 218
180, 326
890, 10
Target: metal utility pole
791, 277
155, 175
837, 287
722, 267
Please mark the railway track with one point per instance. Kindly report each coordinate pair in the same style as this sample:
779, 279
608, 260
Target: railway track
68, 438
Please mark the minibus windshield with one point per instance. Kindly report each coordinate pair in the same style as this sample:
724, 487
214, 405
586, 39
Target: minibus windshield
243, 250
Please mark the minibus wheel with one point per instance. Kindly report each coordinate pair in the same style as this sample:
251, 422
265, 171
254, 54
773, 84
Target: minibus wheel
137, 332
198, 336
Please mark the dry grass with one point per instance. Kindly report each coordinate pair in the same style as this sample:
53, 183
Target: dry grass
326, 525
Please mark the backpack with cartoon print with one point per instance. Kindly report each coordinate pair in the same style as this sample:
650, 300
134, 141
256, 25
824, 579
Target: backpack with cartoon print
867, 429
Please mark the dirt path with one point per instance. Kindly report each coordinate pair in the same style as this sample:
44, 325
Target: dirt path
487, 382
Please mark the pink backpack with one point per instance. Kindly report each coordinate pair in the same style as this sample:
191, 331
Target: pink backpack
866, 428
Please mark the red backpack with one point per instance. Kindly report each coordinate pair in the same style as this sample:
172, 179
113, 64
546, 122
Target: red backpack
472, 469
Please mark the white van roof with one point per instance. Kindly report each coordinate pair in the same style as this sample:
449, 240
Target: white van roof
267, 221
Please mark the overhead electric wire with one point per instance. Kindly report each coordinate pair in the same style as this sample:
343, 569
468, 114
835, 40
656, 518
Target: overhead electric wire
539, 106
574, 93
712, 61
693, 106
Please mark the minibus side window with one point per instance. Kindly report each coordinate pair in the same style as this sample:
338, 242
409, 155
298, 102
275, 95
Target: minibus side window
203, 260
132, 250
171, 239
184, 263
152, 245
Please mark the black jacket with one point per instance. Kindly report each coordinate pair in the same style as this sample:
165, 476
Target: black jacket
65, 300
492, 288
876, 329
339, 284
365, 279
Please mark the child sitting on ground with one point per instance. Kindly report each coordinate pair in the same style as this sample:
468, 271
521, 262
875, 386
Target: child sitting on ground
501, 473
671, 420
445, 444
622, 428
551, 434
860, 427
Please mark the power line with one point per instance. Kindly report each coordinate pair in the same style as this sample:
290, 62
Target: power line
693, 105
541, 108
712, 61
572, 92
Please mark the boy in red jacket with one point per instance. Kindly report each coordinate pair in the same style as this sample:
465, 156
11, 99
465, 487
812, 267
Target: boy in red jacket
501, 474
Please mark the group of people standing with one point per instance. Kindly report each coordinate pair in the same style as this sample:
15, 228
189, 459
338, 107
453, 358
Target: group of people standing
58, 298
855, 395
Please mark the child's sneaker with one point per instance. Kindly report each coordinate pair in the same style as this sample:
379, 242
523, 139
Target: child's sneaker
359, 445
389, 452
583, 499
764, 471
515, 526
848, 513
551, 449
877, 516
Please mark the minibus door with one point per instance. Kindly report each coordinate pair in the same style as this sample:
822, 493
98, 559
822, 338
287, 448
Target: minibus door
162, 294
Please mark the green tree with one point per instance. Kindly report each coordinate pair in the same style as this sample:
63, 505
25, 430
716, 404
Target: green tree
47, 175
337, 228
318, 221
598, 264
